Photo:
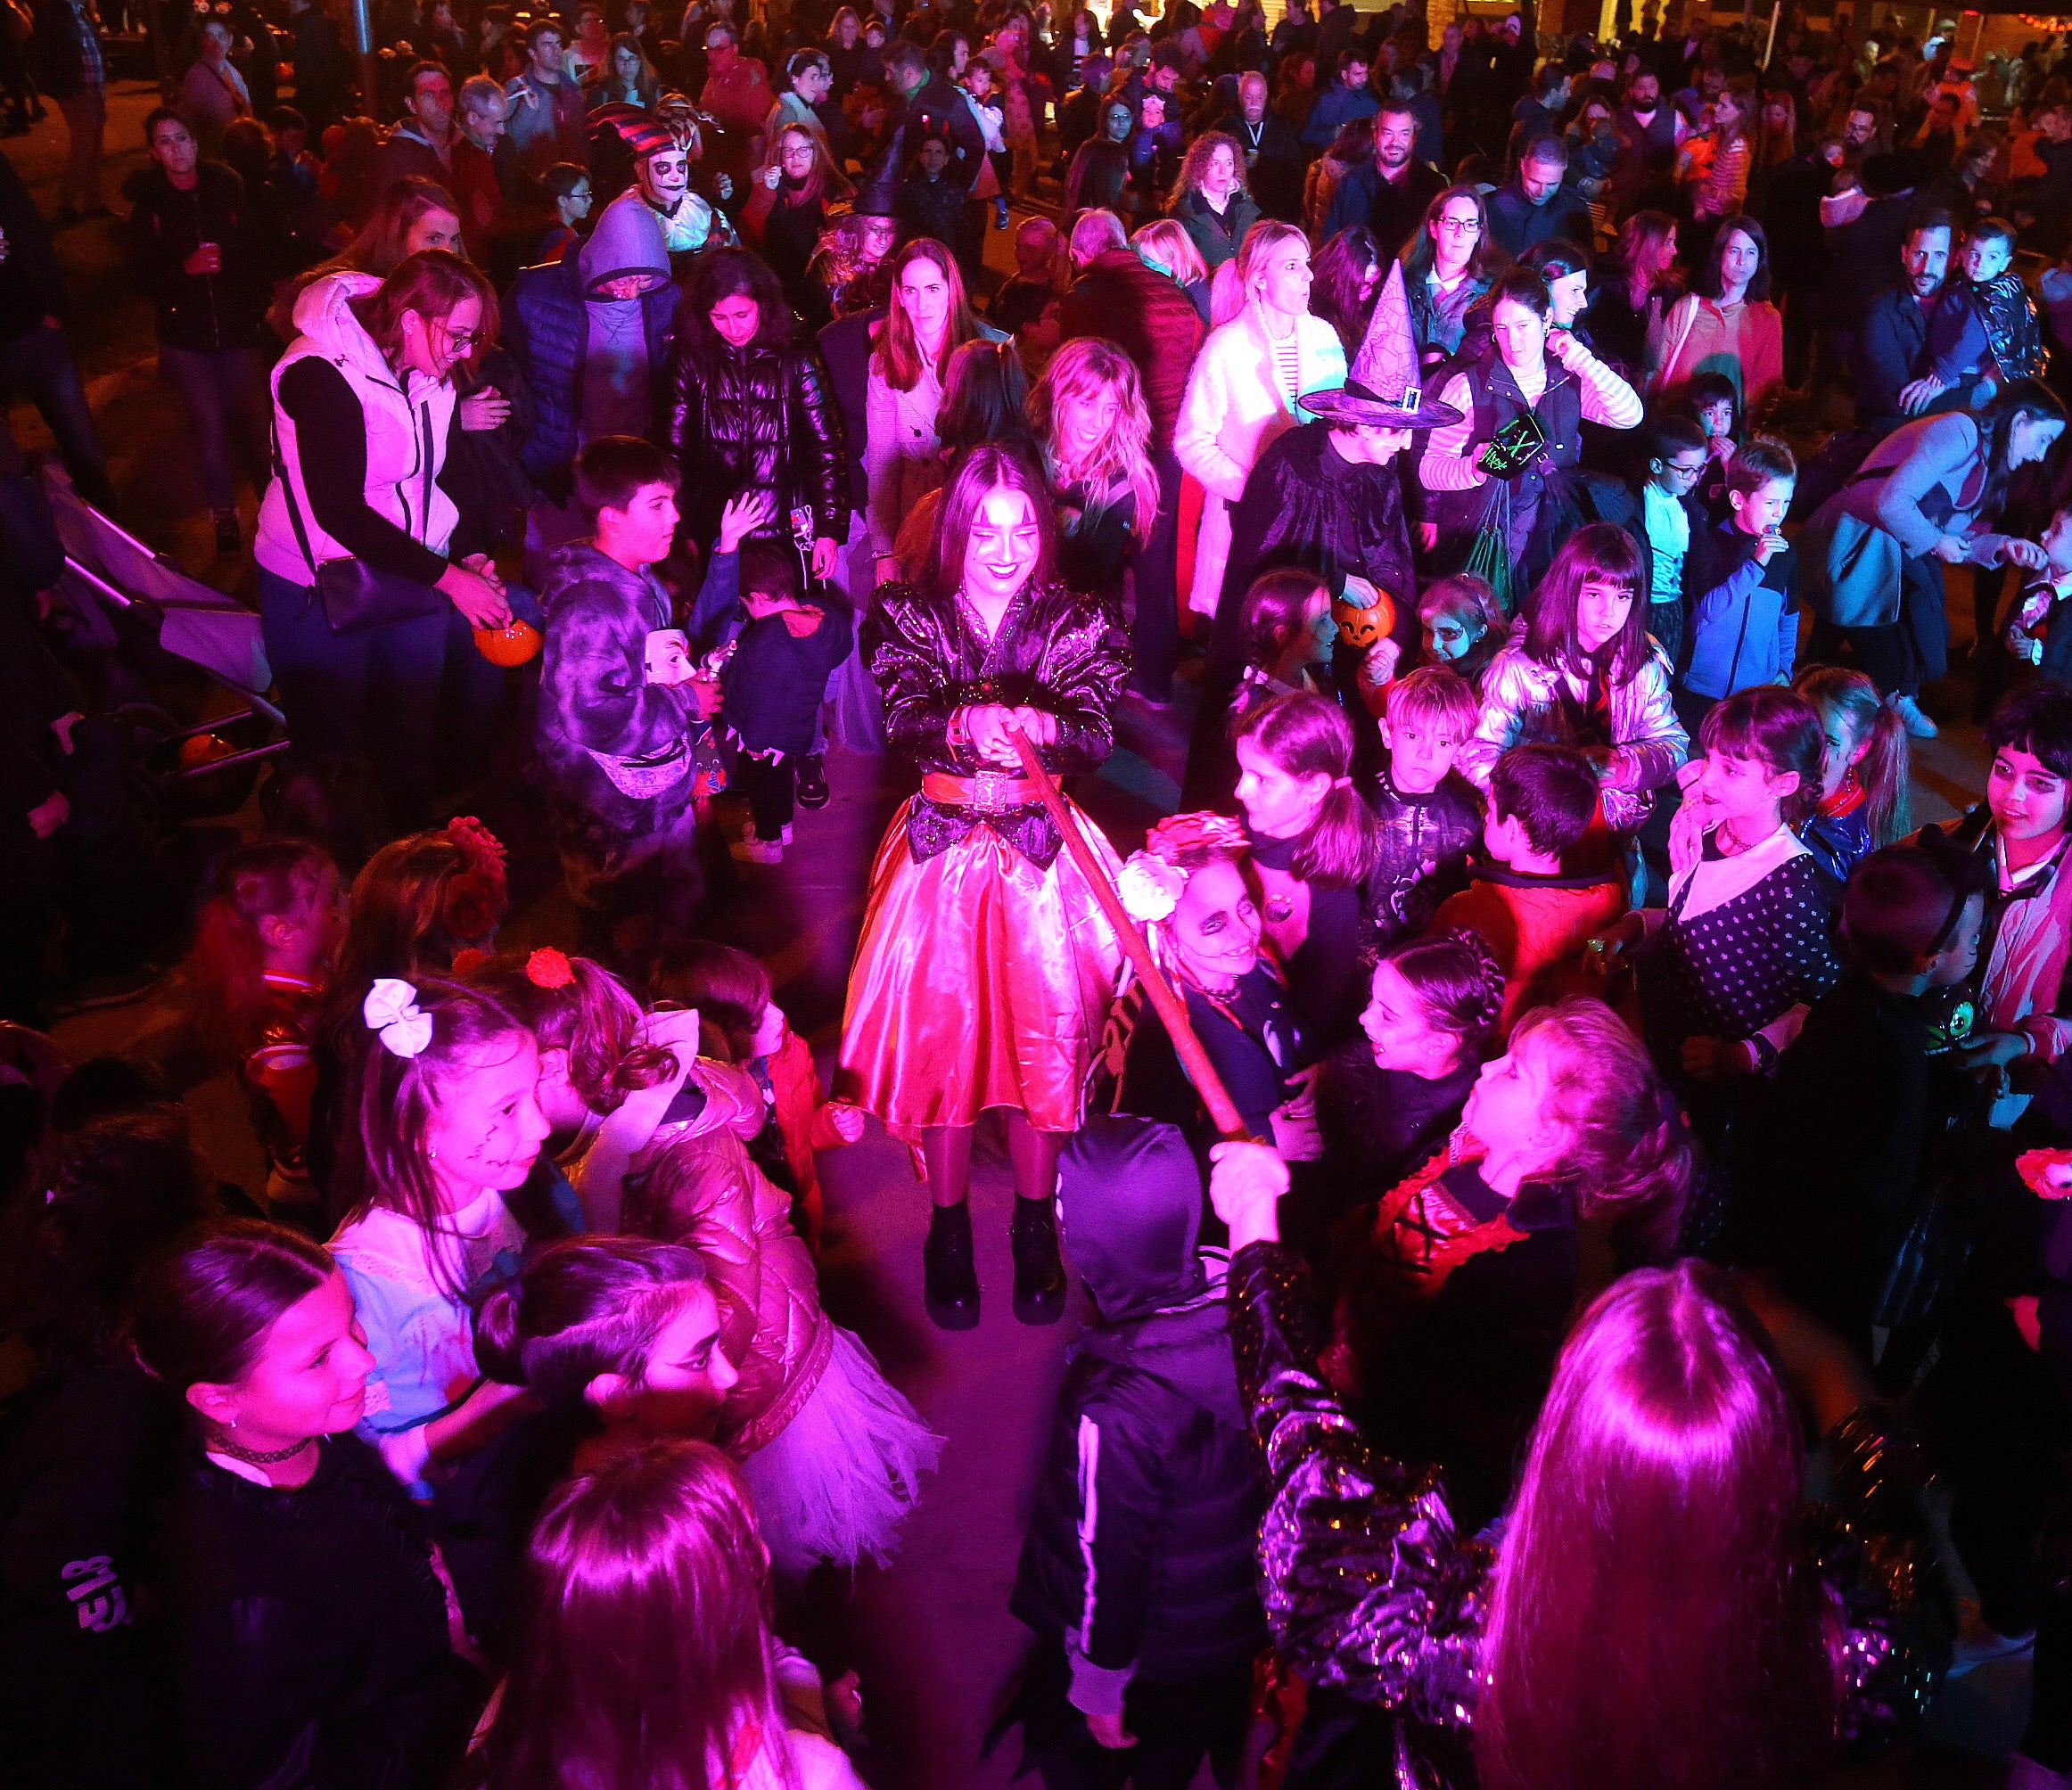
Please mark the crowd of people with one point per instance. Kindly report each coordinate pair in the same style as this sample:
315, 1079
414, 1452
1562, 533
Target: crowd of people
1556, 1161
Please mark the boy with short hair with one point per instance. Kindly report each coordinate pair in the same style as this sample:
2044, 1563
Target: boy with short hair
1715, 405
1671, 519
1537, 920
1744, 618
621, 709
2041, 634
772, 688
1426, 818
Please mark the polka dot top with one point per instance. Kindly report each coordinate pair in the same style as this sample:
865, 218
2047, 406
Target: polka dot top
1733, 968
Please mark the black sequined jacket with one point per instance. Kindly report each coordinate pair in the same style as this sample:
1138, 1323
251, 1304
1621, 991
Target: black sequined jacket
1370, 1591
1057, 650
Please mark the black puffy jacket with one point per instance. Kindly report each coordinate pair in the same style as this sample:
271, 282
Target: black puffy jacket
758, 416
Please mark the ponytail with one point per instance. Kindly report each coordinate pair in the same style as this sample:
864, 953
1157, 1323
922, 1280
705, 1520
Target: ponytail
1886, 770
1308, 735
227, 964
1886, 773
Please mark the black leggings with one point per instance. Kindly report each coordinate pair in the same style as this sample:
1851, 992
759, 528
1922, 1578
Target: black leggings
770, 785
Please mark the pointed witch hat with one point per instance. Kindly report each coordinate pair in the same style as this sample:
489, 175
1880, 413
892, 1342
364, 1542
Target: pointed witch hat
1384, 389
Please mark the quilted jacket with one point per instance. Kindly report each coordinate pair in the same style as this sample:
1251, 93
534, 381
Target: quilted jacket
700, 1189
758, 416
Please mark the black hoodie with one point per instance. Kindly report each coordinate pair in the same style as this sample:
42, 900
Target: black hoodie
1139, 1556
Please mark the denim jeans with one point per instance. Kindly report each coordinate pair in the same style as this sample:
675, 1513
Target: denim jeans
39, 365
374, 695
225, 390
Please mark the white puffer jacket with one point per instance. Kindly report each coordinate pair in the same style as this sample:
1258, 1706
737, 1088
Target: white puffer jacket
407, 425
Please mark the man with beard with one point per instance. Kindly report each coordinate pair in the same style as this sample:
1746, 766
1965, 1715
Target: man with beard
1648, 134
1389, 196
1891, 347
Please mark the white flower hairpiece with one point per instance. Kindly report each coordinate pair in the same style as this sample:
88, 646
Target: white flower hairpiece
390, 1009
1149, 886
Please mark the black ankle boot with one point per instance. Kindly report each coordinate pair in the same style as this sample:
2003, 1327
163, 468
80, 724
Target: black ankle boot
950, 1279
1039, 1274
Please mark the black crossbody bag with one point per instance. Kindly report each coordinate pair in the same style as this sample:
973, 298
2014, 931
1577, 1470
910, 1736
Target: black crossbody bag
356, 595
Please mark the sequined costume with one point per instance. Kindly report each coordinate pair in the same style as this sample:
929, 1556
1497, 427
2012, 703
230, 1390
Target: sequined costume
1370, 1592
986, 968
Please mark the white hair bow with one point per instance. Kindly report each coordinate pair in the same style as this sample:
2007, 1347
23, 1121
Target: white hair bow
390, 1009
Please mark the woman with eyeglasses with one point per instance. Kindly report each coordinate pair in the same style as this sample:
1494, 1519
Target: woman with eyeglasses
1448, 265
363, 407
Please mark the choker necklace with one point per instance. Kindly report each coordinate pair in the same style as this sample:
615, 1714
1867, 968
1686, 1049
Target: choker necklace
221, 1444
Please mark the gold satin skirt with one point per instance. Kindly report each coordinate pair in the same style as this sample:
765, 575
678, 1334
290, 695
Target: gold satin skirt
981, 981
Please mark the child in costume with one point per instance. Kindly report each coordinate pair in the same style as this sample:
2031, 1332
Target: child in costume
622, 710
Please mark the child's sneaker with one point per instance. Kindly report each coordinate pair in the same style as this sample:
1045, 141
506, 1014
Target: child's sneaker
750, 849
812, 780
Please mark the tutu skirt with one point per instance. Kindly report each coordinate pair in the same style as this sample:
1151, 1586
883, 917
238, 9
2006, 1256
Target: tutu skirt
839, 1479
981, 981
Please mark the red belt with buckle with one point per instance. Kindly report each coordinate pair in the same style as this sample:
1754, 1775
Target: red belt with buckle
986, 793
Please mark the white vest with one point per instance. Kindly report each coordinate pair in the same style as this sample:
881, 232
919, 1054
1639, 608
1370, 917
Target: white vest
406, 424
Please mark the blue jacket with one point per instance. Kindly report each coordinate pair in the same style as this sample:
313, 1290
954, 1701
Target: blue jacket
774, 685
547, 326
1744, 614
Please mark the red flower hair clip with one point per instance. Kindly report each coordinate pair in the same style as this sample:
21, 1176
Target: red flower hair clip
484, 850
547, 968
468, 959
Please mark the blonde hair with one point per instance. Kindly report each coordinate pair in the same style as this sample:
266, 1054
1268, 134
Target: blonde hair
1079, 372
1261, 241
1167, 239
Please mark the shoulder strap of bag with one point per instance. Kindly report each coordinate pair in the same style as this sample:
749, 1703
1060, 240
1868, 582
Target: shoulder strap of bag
288, 494
1690, 323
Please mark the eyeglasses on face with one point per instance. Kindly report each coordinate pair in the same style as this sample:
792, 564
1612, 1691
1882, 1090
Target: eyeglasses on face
466, 340
1461, 227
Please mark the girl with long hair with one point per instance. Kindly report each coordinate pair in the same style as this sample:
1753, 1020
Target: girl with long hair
1531, 369
1088, 415
444, 1092
1721, 179
833, 1453
1776, 143
1452, 1306
1447, 264
1164, 246
363, 405
788, 201
311, 1636
654, 1556
608, 1072
985, 970
1635, 293
260, 971
1727, 971
1584, 673
985, 399
847, 273
1726, 325
625, 76
1866, 798
1388, 1099
750, 406
1187, 887
1211, 199
1243, 393
1313, 846
411, 215
1099, 177
1668, 1434
1348, 272
929, 319
1939, 503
